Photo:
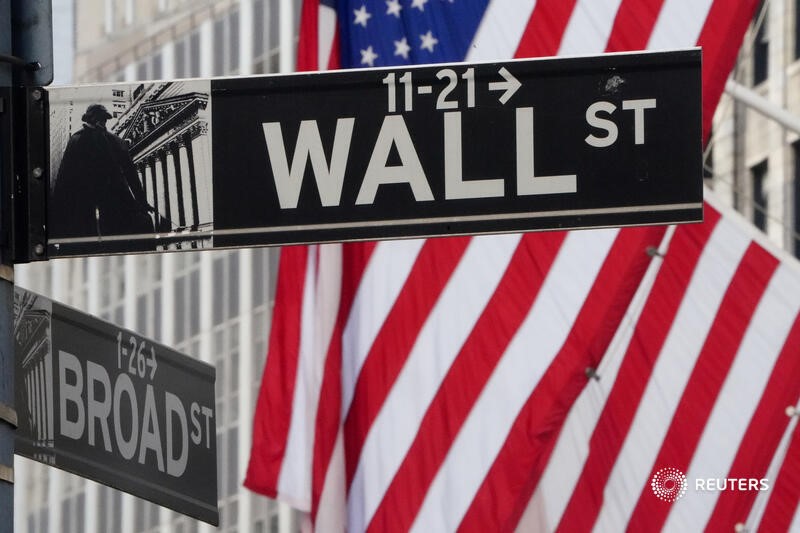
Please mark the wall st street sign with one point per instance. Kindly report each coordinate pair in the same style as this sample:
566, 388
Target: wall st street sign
112, 406
522, 145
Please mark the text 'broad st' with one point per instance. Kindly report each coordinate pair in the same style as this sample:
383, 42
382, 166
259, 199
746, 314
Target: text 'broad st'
112, 406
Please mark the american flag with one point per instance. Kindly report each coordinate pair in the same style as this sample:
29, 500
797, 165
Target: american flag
640, 379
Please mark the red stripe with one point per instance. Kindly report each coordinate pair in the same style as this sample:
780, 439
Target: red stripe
516, 471
465, 380
785, 492
335, 59
651, 331
273, 414
545, 29
633, 25
763, 435
707, 378
432, 269
721, 39
329, 416
308, 42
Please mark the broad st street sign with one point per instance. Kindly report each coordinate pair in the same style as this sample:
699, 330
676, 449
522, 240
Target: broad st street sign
448, 149
112, 406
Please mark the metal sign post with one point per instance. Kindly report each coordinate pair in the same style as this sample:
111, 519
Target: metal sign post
449, 149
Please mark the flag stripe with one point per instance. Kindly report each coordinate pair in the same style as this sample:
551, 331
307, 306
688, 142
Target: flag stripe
785, 492
295, 476
501, 30
633, 25
719, 55
707, 378
499, 322
520, 461
431, 271
768, 422
328, 416
383, 282
651, 332
589, 27
679, 24
280, 374
542, 36
672, 369
540, 337
445, 330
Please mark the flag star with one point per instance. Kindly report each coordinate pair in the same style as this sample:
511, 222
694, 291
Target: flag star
401, 48
393, 7
420, 4
428, 41
368, 56
362, 16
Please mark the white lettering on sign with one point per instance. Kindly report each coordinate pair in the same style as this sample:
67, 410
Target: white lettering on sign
610, 127
309, 146
527, 181
454, 184
394, 132
105, 405
395, 135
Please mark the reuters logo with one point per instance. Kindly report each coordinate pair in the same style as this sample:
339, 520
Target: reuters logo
668, 484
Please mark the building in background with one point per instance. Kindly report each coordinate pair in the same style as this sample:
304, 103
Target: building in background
214, 305
753, 161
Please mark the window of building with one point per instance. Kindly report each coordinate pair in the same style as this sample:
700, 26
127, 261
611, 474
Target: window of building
761, 48
260, 66
108, 19
158, 67
219, 47
180, 59
130, 12
760, 200
194, 54
233, 40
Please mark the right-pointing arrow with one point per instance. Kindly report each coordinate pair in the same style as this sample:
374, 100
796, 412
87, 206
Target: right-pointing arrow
510, 86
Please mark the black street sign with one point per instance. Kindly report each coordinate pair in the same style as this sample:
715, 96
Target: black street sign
448, 149
112, 406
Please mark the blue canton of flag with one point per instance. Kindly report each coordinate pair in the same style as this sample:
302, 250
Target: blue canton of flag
379, 33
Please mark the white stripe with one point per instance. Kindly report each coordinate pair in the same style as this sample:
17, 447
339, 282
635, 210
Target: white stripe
326, 33
383, 279
679, 24
331, 506
671, 371
448, 325
759, 506
589, 27
739, 396
293, 482
795, 526
320, 303
569, 455
530, 352
500, 30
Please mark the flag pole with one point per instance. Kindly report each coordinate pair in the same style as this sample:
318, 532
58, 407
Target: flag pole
758, 103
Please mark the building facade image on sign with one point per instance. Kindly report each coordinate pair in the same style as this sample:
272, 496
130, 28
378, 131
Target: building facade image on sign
370, 154
109, 405
131, 160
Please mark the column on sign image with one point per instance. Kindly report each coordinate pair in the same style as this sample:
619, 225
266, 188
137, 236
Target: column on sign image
170, 178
